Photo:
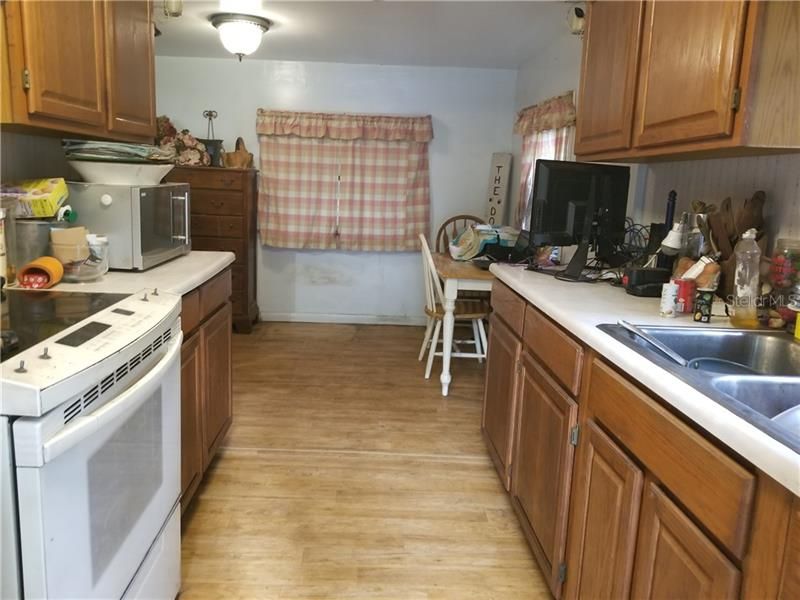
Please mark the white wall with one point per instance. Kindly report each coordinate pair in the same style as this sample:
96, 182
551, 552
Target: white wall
472, 118
712, 180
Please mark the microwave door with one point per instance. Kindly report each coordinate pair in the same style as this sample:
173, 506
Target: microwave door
155, 213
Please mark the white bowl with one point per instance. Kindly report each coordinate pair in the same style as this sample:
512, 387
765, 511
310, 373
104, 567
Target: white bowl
120, 173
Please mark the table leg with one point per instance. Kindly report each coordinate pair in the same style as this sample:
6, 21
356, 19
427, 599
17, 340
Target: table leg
448, 324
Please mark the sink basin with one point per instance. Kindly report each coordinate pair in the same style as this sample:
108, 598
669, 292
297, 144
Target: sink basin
760, 352
755, 374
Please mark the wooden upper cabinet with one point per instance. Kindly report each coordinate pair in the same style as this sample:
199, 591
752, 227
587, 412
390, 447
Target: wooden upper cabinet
500, 396
608, 77
689, 71
674, 559
129, 67
64, 54
605, 513
542, 468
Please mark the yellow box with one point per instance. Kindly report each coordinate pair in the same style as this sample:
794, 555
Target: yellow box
35, 198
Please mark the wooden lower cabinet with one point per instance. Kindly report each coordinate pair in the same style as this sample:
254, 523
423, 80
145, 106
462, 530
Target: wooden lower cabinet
218, 395
500, 397
674, 559
605, 512
542, 471
191, 416
206, 379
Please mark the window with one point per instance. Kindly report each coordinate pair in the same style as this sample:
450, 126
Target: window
347, 182
548, 131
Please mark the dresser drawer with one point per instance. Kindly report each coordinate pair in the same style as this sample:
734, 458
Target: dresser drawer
215, 179
554, 348
507, 305
713, 487
238, 247
218, 226
208, 202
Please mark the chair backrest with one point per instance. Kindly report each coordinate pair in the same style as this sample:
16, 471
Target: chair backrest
433, 287
450, 229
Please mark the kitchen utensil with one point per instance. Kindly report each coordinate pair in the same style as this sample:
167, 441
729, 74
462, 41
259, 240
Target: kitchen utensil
751, 214
716, 222
669, 352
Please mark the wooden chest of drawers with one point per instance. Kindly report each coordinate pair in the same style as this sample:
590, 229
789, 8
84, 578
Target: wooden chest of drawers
224, 218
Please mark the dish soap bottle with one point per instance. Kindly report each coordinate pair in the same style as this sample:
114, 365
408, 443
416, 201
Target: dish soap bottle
746, 288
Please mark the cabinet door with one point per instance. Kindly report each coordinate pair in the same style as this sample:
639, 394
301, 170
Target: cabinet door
607, 492
130, 67
608, 77
674, 559
63, 47
542, 466
691, 52
218, 397
191, 417
500, 395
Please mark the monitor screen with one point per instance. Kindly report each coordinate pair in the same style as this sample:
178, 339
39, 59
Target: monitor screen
566, 194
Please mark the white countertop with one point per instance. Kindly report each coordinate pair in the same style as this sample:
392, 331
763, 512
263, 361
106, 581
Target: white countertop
180, 275
579, 308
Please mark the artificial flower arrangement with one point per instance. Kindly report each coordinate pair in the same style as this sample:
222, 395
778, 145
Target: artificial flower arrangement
188, 149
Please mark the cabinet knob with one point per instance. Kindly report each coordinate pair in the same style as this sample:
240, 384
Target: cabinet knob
106, 200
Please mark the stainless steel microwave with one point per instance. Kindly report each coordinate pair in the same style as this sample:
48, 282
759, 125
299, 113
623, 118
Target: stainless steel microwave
145, 225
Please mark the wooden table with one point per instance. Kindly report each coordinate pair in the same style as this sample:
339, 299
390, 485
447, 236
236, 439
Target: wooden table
456, 275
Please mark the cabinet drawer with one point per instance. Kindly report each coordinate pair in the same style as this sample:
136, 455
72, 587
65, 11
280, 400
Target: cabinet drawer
214, 179
215, 293
210, 202
507, 305
714, 488
218, 226
238, 247
191, 315
562, 355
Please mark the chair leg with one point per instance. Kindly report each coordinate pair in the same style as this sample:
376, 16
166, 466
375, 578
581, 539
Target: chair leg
428, 330
476, 337
484, 342
432, 352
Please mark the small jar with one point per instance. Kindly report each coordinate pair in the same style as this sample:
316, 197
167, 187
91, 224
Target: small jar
784, 272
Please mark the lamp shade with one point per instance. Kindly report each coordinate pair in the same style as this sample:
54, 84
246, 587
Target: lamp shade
240, 34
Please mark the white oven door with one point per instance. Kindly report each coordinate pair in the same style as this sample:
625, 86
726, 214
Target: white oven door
109, 481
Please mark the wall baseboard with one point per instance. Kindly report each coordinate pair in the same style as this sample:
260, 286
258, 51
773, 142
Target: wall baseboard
413, 320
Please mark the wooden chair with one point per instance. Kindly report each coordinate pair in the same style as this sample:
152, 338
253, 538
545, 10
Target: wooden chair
472, 311
442, 237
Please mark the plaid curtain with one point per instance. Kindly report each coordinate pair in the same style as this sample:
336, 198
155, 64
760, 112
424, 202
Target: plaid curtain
323, 188
550, 144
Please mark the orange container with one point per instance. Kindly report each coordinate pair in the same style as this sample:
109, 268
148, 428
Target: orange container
44, 272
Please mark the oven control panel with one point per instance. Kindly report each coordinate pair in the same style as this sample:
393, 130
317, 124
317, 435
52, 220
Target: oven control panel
61, 359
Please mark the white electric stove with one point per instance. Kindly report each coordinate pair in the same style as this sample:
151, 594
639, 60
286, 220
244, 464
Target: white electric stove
90, 445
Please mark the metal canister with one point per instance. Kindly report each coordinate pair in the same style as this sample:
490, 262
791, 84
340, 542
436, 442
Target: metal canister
686, 293
703, 301
669, 299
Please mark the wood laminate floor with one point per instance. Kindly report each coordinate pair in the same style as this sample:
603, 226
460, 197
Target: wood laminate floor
347, 475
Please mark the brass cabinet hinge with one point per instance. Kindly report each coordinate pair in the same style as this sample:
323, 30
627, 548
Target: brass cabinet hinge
574, 433
26, 79
562, 572
737, 98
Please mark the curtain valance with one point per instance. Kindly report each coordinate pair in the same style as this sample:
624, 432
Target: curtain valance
344, 126
554, 113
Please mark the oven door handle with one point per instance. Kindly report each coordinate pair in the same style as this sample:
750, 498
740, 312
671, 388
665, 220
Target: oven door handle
117, 410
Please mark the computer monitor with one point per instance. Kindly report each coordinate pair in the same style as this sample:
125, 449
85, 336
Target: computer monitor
574, 203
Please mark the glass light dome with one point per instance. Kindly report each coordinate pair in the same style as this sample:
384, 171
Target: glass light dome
240, 34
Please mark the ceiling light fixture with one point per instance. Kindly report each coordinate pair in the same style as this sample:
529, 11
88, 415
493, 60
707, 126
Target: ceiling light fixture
240, 34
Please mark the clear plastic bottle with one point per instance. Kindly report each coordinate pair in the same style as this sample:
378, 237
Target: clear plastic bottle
746, 287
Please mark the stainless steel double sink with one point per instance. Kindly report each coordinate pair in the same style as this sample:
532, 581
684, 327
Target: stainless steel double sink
755, 374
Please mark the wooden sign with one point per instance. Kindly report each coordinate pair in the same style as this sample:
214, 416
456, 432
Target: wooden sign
497, 192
